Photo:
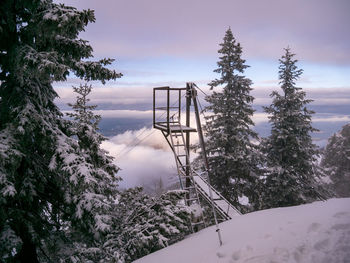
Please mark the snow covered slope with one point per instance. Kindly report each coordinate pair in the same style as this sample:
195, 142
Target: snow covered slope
317, 232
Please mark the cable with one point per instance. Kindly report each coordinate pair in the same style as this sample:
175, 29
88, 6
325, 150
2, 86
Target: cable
137, 139
200, 105
134, 142
200, 89
202, 110
171, 106
134, 146
140, 140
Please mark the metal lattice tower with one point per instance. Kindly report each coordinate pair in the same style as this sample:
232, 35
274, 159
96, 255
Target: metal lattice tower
167, 113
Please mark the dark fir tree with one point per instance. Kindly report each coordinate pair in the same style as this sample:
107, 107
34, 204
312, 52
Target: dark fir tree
228, 127
336, 161
48, 180
289, 149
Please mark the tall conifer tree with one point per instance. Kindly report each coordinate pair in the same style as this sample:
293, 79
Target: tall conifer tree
41, 165
228, 127
289, 149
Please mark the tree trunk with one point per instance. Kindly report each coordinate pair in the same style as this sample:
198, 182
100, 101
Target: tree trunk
28, 249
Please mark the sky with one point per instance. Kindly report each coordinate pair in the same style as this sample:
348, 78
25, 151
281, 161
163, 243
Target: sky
168, 43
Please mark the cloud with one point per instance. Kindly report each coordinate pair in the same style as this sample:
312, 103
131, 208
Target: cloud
143, 155
135, 114
332, 118
126, 114
144, 137
321, 96
114, 93
318, 30
110, 94
119, 96
260, 117
141, 165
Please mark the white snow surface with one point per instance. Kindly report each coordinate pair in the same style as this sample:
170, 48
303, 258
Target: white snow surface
312, 233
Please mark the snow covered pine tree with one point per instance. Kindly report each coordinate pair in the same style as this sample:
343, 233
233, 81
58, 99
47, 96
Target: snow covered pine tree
336, 161
48, 181
289, 149
145, 224
228, 132
100, 188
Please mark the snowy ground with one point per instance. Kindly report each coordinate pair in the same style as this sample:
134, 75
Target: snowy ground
313, 233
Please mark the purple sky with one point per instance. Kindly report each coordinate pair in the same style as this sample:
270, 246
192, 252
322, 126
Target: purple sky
163, 41
318, 30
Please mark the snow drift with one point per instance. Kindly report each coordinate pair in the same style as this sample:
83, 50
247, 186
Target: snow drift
317, 232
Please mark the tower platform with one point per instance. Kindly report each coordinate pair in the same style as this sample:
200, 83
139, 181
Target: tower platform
174, 127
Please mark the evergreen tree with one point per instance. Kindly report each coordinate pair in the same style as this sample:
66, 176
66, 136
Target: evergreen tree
336, 162
228, 127
48, 181
100, 193
289, 149
85, 128
146, 224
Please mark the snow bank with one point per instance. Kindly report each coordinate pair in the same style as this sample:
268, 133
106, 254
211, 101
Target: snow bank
317, 232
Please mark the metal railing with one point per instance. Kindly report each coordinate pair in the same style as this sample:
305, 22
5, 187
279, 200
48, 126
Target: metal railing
164, 122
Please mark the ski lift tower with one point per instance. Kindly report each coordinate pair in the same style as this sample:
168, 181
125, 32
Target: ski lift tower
168, 110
